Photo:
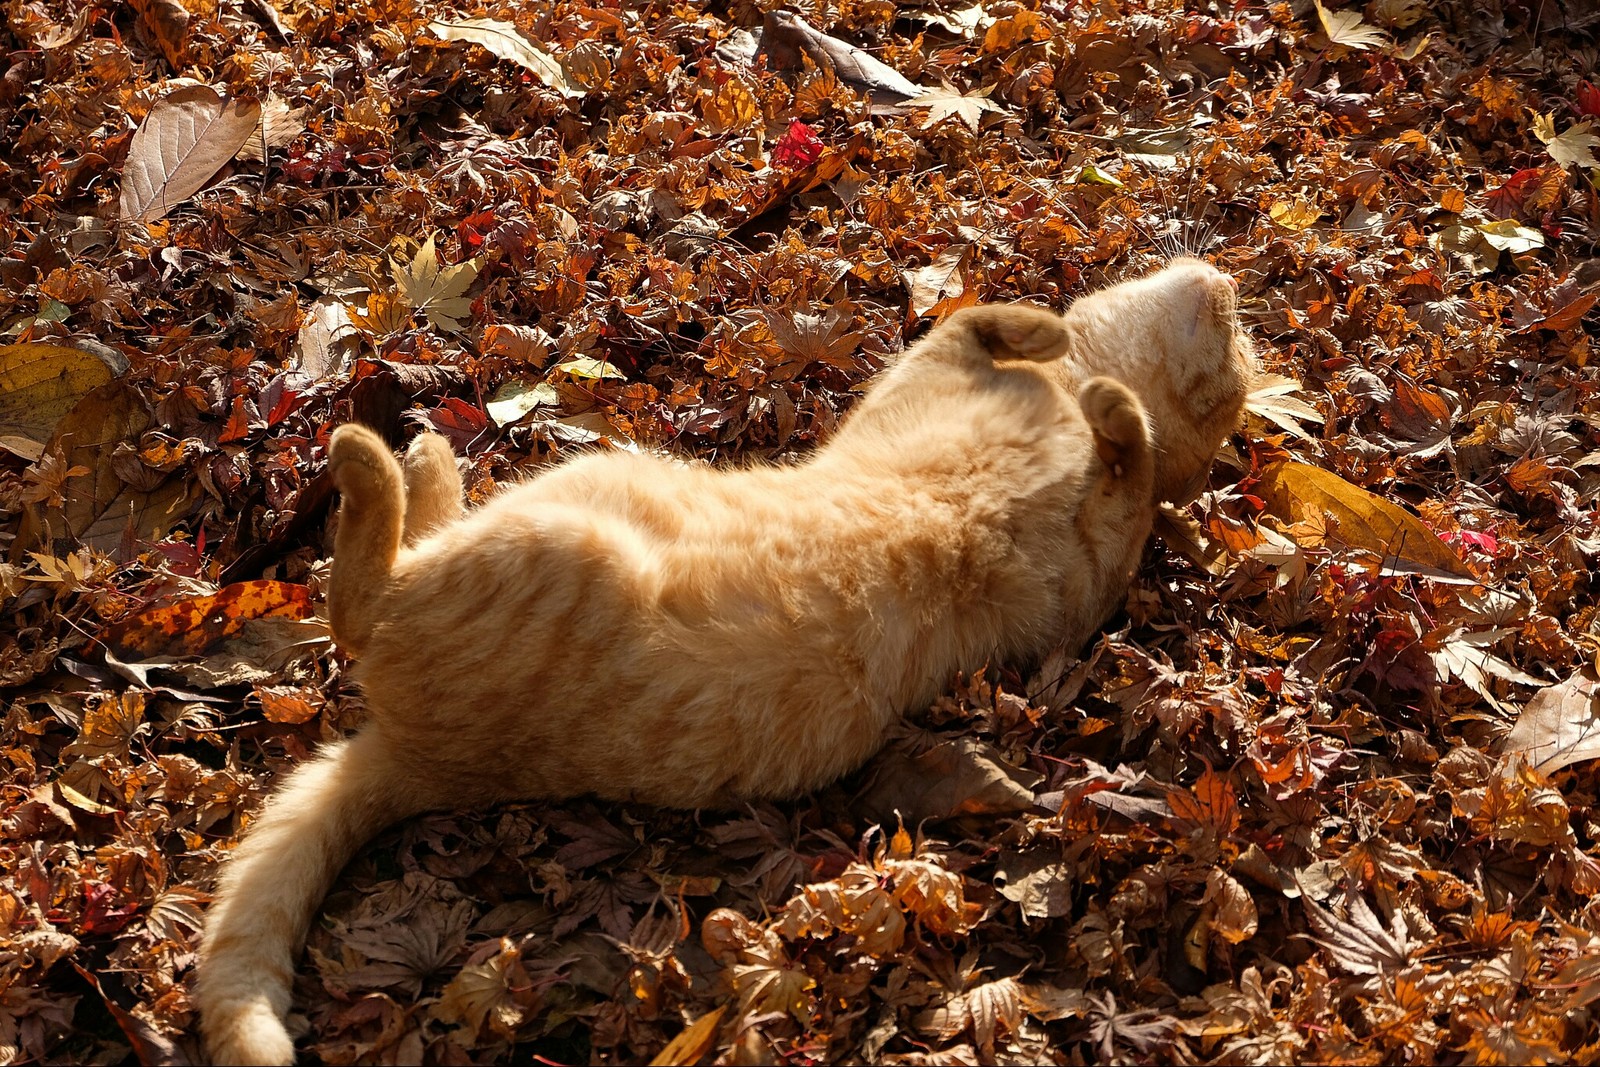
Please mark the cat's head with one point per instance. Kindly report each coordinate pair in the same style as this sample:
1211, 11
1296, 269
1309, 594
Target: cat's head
1174, 338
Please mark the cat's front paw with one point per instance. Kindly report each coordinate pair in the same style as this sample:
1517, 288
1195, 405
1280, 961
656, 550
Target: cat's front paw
1017, 331
1117, 420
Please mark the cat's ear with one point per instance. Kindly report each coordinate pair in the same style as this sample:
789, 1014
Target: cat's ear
1117, 420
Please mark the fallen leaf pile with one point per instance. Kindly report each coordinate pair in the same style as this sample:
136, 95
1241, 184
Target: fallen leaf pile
1324, 792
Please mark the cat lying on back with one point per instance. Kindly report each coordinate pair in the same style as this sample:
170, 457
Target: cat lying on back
638, 629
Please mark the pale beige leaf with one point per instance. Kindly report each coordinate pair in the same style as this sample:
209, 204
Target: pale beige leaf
279, 125
994, 1005
436, 291
506, 41
1358, 941
1573, 147
185, 139
939, 280
1348, 29
1271, 399
517, 398
945, 103
326, 339
1560, 725
1233, 910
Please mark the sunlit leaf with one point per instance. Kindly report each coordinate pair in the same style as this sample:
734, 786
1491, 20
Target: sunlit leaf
185, 139
506, 41
1364, 521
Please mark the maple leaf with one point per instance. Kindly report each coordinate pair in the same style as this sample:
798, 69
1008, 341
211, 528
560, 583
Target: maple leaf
798, 148
1348, 29
1358, 942
1573, 147
946, 103
1271, 399
436, 291
48, 480
491, 988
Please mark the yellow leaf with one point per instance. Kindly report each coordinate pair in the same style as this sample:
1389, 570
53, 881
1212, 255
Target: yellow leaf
585, 367
692, 1043
1294, 490
1346, 28
41, 383
1297, 214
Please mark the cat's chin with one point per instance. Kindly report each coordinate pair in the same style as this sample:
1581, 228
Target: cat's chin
1174, 338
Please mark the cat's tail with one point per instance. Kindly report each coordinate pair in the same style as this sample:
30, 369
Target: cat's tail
272, 885
371, 521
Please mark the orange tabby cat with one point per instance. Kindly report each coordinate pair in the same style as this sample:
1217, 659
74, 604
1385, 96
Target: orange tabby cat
639, 629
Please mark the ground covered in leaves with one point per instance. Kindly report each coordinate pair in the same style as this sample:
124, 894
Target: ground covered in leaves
1324, 792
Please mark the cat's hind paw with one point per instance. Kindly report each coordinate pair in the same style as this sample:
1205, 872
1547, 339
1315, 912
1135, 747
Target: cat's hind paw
433, 486
361, 464
1115, 416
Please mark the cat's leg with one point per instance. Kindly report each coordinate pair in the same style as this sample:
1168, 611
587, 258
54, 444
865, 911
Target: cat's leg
1121, 431
371, 520
274, 881
433, 487
1013, 331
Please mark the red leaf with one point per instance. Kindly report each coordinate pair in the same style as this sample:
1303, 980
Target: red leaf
1506, 202
1587, 99
100, 913
238, 427
457, 420
799, 147
475, 226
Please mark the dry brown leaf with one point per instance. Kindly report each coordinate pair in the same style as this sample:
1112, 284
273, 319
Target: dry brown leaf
194, 625
786, 35
279, 125
189, 135
167, 23
1559, 726
693, 1042
924, 778
506, 41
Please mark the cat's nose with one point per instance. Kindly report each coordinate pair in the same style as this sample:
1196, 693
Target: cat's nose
1233, 283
